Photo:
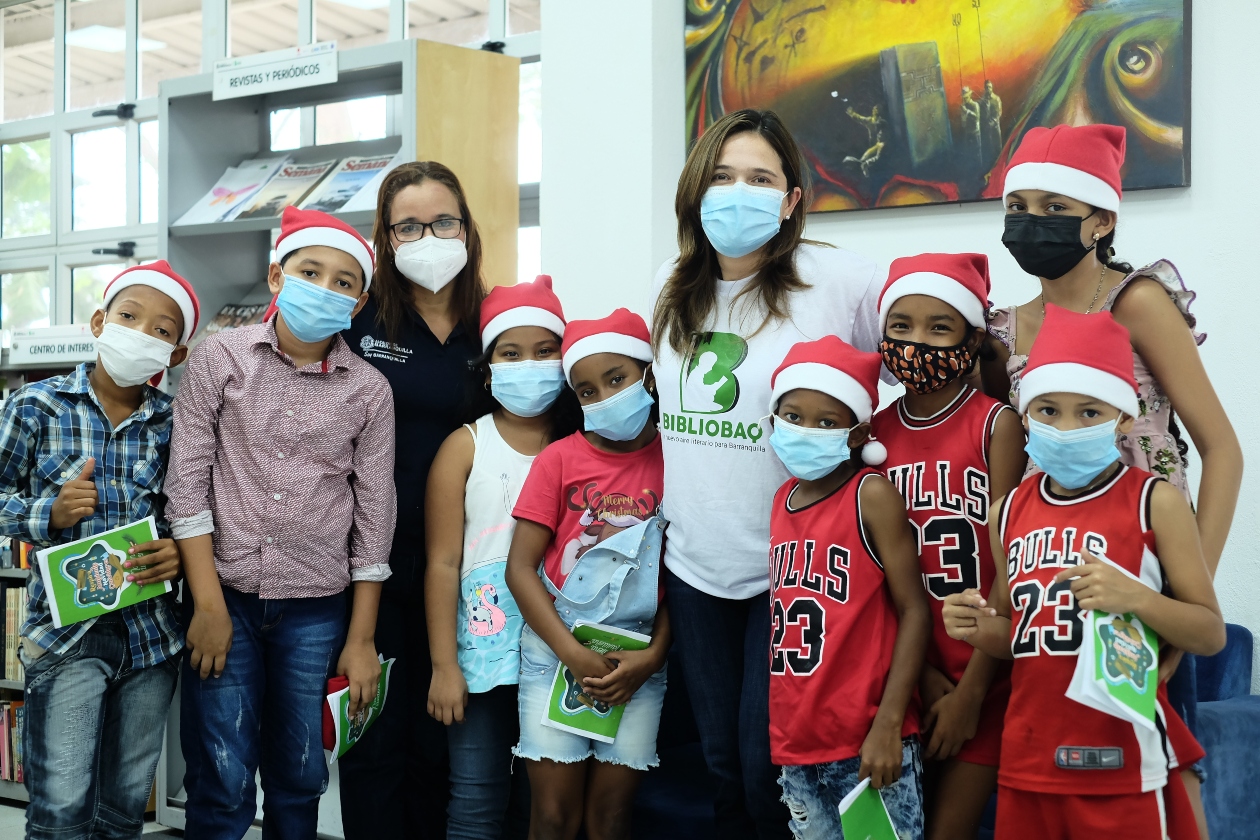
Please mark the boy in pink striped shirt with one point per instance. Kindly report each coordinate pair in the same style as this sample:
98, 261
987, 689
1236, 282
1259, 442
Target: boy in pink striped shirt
281, 496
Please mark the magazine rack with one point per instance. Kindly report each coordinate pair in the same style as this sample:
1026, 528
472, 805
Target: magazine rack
451, 104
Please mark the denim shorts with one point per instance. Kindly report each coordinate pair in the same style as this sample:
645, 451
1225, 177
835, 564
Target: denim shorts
813, 792
635, 745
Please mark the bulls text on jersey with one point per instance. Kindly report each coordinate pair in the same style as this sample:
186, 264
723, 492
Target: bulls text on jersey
1042, 549
793, 567
952, 532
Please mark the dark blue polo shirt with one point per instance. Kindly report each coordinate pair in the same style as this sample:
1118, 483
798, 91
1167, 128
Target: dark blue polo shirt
433, 396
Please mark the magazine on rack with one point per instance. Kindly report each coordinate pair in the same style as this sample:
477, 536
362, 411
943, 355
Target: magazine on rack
232, 191
345, 182
289, 186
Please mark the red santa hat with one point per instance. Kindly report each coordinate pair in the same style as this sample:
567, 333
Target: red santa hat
1081, 354
1081, 162
833, 367
621, 332
523, 305
303, 228
159, 275
961, 280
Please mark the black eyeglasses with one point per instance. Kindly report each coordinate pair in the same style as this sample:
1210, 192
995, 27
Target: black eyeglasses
442, 229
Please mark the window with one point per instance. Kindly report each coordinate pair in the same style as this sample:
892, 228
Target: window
87, 288
528, 253
27, 188
98, 195
25, 299
96, 53
354, 119
462, 22
148, 172
524, 16
170, 42
28, 60
262, 27
529, 148
352, 23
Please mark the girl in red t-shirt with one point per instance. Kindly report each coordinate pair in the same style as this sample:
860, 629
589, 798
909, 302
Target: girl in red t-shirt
580, 491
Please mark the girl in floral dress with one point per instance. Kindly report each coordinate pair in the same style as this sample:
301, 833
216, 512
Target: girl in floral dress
1062, 196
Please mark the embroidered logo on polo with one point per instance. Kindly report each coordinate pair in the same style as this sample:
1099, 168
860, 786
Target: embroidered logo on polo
374, 348
708, 385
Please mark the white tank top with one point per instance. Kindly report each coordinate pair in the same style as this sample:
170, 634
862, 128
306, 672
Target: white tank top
498, 473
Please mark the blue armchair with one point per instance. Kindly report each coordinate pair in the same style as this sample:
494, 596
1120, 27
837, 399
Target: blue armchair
1229, 729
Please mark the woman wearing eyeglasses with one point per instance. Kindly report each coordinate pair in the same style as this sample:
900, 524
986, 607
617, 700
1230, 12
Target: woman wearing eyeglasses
420, 328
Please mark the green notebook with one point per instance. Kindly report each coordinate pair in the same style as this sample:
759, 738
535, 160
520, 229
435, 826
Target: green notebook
86, 578
863, 815
348, 730
570, 708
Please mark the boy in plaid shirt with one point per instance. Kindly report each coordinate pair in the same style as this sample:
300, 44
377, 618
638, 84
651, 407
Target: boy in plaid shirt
81, 454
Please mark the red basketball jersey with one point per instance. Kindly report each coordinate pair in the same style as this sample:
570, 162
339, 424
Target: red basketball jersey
1052, 744
941, 466
833, 626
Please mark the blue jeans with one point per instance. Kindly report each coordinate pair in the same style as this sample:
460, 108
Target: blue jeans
724, 649
813, 793
489, 799
93, 735
264, 713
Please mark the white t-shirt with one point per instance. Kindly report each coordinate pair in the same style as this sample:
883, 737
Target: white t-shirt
720, 472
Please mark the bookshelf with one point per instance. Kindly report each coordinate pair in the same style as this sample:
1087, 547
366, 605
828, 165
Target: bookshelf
11, 689
452, 104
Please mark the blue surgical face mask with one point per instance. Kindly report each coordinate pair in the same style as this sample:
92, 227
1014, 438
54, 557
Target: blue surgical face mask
526, 388
738, 218
1074, 458
622, 416
313, 313
809, 454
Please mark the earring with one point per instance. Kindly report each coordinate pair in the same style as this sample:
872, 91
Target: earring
487, 387
1096, 237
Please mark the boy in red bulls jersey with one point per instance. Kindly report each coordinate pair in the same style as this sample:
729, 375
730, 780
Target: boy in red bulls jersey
1088, 533
950, 449
849, 621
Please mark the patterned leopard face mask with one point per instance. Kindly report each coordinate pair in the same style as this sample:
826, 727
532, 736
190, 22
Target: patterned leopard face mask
924, 368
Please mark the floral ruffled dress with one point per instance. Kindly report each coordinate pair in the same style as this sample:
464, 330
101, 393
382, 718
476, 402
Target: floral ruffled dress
1150, 446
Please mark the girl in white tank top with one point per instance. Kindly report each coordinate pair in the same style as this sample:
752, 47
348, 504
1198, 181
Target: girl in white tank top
473, 621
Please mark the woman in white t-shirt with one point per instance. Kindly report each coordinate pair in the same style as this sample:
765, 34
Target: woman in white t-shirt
744, 288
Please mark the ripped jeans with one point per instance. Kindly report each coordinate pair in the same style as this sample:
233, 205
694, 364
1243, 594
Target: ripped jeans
813, 792
263, 714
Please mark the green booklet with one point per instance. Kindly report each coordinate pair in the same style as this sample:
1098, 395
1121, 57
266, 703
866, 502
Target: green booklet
570, 708
86, 578
1117, 668
347, 730
863, 815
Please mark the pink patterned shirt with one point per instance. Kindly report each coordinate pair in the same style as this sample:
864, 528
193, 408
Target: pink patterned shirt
292, 469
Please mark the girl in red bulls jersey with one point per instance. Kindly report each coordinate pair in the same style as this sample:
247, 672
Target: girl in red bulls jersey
849, 622
950, 449
1088, 534
582, 491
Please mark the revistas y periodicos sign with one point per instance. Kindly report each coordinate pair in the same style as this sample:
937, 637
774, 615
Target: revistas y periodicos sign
298, 67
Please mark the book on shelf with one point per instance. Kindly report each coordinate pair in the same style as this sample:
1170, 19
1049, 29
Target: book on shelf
345, 182
236, 186
365, 198
17, 715
292, 183
13, 598
230, 317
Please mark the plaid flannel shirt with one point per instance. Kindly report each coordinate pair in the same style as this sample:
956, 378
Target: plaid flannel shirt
48, 430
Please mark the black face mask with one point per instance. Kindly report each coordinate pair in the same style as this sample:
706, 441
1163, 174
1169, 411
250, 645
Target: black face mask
1045, 246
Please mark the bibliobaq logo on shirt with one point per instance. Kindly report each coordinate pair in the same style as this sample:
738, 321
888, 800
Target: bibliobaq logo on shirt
708, 386
374, 348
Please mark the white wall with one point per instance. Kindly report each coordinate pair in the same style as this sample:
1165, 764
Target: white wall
597, 188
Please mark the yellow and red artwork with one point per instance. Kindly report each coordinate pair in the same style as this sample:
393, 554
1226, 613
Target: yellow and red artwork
898, 102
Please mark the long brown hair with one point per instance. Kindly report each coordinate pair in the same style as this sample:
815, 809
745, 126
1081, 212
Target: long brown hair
690, 293
392, 290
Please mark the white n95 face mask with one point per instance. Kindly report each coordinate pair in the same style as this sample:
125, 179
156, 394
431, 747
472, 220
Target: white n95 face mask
130, 357
430, 262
